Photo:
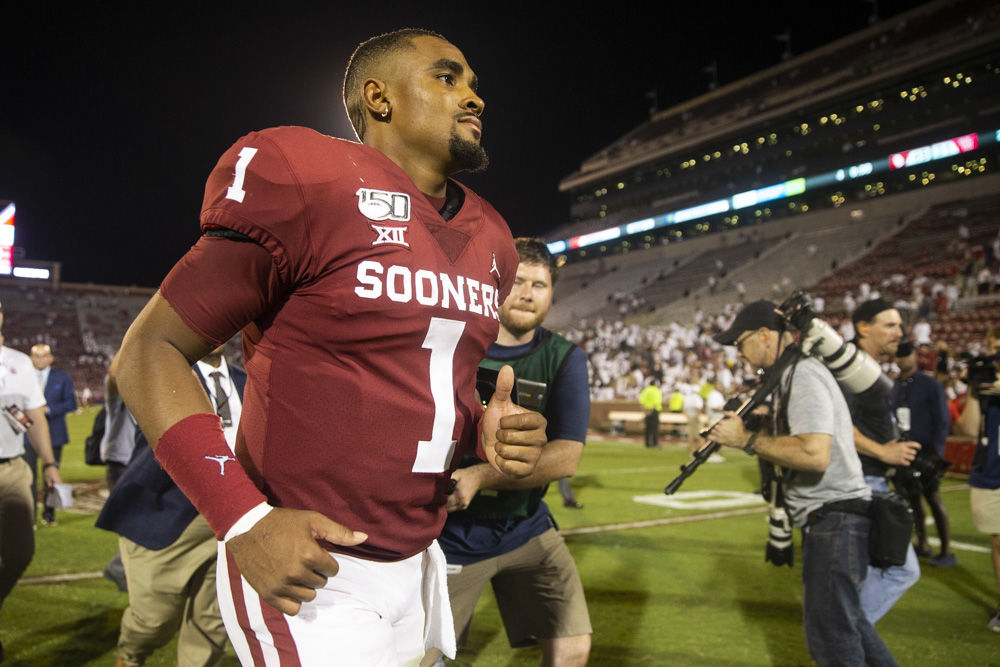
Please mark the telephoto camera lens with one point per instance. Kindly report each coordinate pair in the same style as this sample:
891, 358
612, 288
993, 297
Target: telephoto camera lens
780, 549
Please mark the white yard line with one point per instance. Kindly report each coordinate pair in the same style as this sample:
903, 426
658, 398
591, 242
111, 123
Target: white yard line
59, 578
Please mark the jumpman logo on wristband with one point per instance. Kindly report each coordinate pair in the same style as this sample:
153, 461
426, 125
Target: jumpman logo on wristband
221, 460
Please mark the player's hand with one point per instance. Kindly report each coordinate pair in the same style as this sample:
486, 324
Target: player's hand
467, 483
729, 431
512, 436
899, 452
281, 558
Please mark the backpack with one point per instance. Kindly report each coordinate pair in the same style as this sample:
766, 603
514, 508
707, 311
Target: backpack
92, 444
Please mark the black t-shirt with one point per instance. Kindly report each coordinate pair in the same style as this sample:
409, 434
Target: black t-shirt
873, 417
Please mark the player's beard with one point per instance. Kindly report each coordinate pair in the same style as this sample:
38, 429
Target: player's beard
467, 155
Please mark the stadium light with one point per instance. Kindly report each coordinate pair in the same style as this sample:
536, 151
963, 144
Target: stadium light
908, 158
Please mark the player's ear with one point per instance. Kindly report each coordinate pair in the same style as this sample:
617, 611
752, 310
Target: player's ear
373, 97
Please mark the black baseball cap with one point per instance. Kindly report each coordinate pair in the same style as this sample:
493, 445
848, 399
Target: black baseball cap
867, 311
753, 316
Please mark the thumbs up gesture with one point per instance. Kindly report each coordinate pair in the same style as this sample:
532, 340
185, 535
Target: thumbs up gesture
512, 436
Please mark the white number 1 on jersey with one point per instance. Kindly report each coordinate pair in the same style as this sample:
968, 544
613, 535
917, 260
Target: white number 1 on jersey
236, 191
442, 340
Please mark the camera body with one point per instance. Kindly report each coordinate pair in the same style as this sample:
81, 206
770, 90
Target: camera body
925, 471
980, 370
527, 393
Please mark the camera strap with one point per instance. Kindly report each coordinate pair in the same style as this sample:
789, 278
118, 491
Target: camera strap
779, 425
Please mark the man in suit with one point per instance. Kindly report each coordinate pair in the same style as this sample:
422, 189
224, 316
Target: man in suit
60, 399
168, 550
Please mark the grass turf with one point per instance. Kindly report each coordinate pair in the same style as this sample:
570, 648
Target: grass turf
684, 584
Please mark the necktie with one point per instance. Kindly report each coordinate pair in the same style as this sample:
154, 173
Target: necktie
221, 401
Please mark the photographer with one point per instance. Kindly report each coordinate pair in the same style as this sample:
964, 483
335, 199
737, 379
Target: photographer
882, 452
921, 410
825, 491
981, 419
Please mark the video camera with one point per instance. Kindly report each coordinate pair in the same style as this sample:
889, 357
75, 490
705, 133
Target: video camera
980, 369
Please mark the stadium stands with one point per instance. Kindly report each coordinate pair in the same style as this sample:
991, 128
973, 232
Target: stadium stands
931, 242
84, 324
885, 88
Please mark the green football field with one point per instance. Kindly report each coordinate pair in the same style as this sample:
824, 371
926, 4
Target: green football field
677, 580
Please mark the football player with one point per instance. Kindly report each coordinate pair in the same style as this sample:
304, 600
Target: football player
366, 283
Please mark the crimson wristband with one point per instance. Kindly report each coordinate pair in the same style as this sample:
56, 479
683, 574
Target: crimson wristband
194, 452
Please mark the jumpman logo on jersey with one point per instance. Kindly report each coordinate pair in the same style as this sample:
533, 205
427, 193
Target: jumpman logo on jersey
221, 460
494, 268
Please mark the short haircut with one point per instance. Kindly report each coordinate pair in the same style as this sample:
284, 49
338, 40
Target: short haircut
366, 61
534, 251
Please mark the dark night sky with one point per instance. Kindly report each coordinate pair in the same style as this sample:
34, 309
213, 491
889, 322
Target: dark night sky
112, 116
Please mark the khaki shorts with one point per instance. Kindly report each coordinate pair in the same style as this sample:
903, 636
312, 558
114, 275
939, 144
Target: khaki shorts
537, 588
986, 510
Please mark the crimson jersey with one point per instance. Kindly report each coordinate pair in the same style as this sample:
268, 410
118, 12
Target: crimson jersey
376, 313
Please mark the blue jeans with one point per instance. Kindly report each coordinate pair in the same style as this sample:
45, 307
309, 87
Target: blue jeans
883, 587
834, 565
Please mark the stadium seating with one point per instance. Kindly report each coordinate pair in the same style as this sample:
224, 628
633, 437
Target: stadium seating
84, 324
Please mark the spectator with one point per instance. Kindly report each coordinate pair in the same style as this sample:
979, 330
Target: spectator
984, 280
921, 410
849, 304
981, 420
169, 550
60, 399
117, 446
651, 399
922, 332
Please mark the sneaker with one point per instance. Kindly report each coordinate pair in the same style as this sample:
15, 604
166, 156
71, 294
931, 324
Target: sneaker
116, 575
573, 505
943, 560
994, 623
716, 458
49, 522
923, 553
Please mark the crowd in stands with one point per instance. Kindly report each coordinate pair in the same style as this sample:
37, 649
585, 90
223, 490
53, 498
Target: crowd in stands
941, 271
84, 326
